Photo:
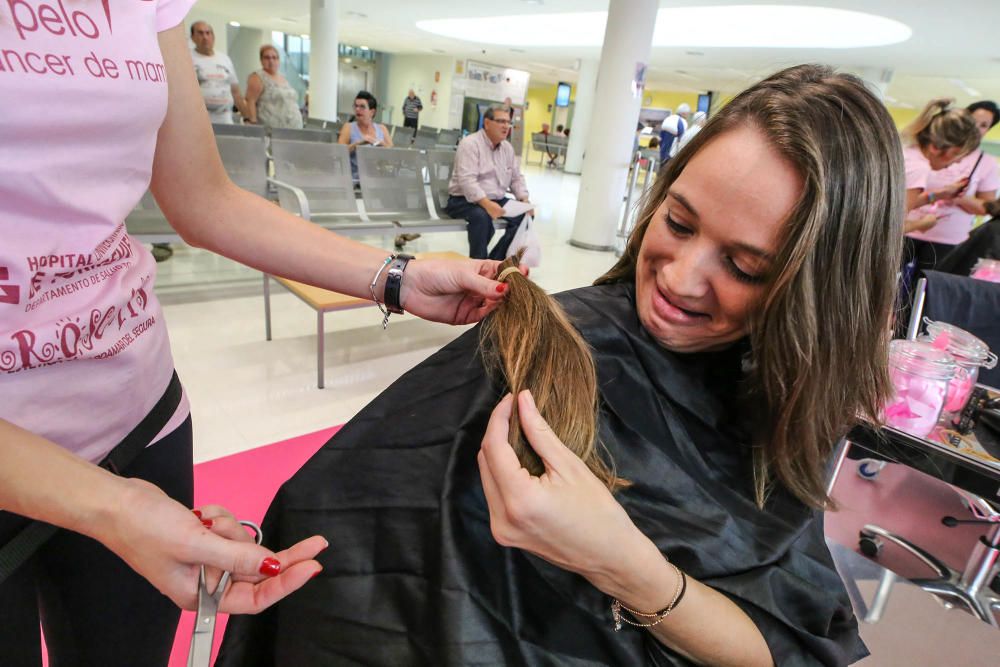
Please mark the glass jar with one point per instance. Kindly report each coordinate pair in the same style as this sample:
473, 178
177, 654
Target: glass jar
969, 352
920, 376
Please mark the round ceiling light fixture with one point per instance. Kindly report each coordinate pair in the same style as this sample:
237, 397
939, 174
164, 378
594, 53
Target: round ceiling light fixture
734, 26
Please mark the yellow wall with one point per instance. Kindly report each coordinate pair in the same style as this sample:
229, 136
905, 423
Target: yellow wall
669, 99
539, 98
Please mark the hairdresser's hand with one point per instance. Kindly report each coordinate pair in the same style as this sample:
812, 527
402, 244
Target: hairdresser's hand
167, 543
452, 291
920, 224
567, 516
970, 205
951, 191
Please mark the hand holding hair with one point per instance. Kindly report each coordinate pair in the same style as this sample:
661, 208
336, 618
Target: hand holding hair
451, 291
166, 543
566, 514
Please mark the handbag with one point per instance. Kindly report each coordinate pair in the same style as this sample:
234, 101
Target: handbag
525, 237
22, 546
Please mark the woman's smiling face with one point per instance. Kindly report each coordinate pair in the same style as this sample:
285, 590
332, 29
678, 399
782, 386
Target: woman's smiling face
711, 243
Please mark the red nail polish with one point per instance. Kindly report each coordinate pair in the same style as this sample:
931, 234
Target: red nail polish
316, 573
270, 567
501, 288
207, 523
197, 513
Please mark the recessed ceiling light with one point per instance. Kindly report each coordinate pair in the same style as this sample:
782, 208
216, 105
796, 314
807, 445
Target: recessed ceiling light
746, 26
235, 24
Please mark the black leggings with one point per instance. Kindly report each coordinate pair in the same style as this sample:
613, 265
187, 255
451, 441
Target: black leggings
95, 609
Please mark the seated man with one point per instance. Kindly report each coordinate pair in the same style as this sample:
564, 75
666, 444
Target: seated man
485, 168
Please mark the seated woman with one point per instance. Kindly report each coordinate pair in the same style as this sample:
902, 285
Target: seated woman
740, 335
363, 130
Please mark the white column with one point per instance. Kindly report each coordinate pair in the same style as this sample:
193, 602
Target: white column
583, 106
323, 59
628, 39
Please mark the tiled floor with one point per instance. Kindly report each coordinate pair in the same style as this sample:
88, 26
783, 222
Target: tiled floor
246, 392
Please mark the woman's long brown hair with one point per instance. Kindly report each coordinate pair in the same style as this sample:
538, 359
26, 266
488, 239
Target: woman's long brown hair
531, 342
819, 336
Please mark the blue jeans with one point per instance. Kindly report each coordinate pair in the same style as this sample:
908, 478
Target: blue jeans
481, 227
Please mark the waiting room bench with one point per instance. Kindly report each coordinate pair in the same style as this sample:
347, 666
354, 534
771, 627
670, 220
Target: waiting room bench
325, 301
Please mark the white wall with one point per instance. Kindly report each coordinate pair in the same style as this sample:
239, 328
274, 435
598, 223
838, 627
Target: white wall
399, 73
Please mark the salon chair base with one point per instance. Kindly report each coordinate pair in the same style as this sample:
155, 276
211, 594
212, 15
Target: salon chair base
969, 589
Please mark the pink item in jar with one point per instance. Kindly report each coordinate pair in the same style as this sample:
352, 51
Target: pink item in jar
969, 353
920, 375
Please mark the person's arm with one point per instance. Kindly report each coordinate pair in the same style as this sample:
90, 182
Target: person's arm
921, 224
209, 211
467, 174
345, 136
241, 104
158, 537
976, 205
386, 137
517, 183
254, 88
569, 518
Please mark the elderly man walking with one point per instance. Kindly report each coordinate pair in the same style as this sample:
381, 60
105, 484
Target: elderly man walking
412, 106
485, 169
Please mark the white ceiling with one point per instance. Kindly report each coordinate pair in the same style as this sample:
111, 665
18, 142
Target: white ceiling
955, 45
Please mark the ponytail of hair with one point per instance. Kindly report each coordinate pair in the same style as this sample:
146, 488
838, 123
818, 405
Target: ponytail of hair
940, 126
530, 341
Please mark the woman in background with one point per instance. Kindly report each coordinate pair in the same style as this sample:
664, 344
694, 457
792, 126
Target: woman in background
363, 130
271, 100
938, 138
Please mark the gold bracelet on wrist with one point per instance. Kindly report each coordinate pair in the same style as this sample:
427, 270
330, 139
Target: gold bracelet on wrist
617, 607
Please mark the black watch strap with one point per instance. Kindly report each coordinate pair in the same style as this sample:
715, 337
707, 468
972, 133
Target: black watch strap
393, 282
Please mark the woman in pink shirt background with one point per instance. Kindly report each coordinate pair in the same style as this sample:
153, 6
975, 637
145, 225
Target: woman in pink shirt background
938, 138
108, 105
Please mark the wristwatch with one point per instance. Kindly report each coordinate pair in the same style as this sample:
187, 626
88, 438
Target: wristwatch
393, 283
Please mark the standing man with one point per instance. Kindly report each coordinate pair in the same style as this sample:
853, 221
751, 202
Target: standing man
485, 168
216, 75
412, 106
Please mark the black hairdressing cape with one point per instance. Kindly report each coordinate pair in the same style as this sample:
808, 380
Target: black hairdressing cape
414, 577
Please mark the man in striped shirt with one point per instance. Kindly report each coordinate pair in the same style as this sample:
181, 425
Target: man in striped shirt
412, 106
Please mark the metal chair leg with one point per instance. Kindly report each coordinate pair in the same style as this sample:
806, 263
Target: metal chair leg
928, 559
319, 349
267, 307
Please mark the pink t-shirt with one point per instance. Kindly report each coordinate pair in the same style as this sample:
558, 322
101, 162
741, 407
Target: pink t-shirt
84, 353
954, 224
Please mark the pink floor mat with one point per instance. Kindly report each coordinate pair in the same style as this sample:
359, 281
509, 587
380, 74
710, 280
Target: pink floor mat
244, 483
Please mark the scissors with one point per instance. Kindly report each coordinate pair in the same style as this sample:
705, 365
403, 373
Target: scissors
200, 654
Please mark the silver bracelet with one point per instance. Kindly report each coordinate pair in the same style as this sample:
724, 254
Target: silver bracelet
385, 313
